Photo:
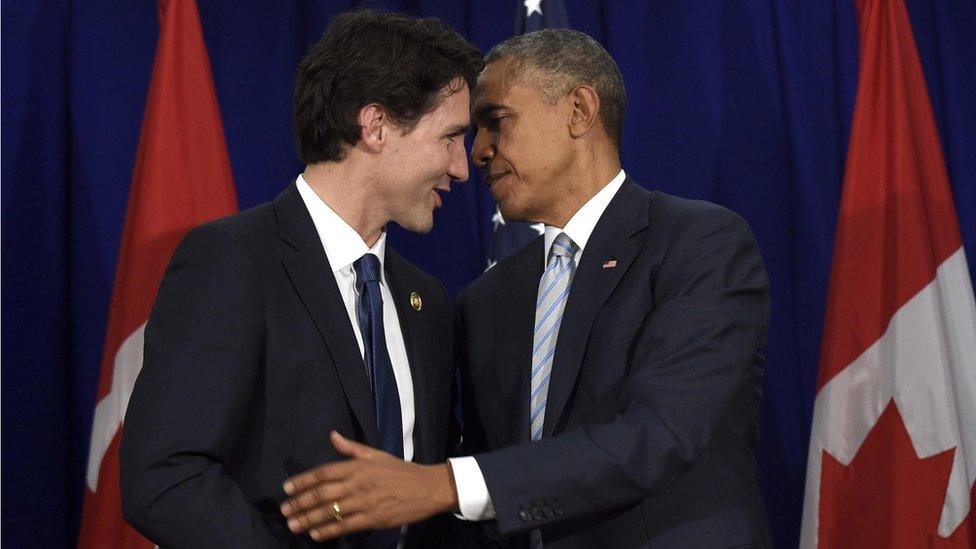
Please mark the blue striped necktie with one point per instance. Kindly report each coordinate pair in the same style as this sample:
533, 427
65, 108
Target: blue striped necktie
553, 291
379, 368
386, 397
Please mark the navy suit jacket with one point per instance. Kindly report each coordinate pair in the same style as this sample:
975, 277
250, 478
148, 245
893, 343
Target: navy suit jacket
651, 421
250, 362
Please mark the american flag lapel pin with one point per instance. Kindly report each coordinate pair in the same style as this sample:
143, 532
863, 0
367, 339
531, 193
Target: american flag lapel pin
610, 263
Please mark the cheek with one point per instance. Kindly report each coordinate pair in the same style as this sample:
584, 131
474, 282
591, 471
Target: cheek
436, 158
422, 162
529, 148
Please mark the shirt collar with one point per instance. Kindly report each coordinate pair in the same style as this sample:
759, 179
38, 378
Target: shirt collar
343, 245
581, 225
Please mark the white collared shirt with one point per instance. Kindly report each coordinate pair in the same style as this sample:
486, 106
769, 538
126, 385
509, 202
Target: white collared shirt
343, 246
474, 500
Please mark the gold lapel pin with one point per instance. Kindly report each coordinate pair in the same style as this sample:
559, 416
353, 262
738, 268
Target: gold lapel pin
415, 301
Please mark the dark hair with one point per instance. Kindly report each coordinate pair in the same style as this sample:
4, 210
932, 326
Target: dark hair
554, 61
364, 57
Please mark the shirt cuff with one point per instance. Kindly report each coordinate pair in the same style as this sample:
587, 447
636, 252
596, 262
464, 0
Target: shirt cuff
473, 498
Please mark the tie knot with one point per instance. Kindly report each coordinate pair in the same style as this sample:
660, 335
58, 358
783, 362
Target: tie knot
563, 246
367, 269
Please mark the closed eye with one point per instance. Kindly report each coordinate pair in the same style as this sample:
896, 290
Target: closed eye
490, 115
456, 132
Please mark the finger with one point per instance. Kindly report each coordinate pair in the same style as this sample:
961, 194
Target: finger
352, 448
305, 521
324, 515
332, 472
315, 496
350, 524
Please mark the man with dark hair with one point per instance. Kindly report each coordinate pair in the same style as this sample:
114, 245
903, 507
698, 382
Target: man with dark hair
278, 325
610, 370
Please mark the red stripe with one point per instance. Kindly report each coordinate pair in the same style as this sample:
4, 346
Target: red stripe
182, 178
897, 222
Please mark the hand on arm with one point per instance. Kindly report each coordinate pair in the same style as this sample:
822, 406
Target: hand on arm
373, 490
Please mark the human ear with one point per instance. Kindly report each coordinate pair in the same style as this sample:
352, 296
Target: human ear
586, 107
373, 125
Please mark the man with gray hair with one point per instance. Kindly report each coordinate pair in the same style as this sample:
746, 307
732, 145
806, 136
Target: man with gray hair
611, 369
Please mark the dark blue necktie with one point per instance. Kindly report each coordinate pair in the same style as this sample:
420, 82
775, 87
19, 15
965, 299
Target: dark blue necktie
386, 397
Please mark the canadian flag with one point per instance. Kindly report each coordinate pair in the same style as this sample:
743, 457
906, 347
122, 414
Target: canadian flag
893, 446
182, 178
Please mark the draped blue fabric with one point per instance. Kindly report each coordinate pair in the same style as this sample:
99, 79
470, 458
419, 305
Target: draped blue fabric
743, 102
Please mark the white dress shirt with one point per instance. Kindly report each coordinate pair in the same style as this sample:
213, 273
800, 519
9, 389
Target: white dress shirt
343, 246
474, 500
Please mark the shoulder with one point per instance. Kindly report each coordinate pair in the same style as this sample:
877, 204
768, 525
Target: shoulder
254, 225
702, 247
247, 233
675, 220
683, 211
215, 264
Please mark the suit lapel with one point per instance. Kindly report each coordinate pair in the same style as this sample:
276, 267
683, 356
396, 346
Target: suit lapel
416, 338
626, 215
514, 305
309, 270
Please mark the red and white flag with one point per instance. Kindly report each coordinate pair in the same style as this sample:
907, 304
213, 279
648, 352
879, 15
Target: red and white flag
892, 457
182, 178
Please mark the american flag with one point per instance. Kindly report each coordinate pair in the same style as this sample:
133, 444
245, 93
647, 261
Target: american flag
532, 15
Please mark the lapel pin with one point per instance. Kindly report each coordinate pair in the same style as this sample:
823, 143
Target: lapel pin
415, 301
610, 263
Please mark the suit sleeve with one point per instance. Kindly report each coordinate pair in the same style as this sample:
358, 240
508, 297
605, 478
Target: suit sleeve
467, 437
473, 499
472, 434
692, 357
202, 351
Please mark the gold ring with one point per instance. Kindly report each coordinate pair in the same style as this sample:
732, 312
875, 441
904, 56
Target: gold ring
336, 512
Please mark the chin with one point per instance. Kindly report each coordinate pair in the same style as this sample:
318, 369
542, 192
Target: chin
419, 226
511, 213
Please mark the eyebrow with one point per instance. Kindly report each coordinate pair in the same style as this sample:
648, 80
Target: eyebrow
458, 129
483, 111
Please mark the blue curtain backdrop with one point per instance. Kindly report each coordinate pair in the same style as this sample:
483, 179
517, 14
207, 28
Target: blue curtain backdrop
745, 103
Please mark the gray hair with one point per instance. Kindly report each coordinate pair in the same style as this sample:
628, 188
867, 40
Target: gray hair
561, 59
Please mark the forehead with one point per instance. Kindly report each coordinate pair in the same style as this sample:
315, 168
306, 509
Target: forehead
452, 110
494, 81
501, 85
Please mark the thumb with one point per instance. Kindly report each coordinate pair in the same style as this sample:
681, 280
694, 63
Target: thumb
352, 448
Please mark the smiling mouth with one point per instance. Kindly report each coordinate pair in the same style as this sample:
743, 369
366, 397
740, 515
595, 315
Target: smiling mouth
438, 192
490, 179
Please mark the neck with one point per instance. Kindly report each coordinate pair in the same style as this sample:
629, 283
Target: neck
351, 195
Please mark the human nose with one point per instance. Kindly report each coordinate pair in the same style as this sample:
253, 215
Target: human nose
458, 170
482, 150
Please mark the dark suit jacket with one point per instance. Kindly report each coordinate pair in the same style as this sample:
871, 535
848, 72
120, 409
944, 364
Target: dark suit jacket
651, 421
250, 361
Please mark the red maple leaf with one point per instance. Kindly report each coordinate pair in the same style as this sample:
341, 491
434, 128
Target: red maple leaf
888, 496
